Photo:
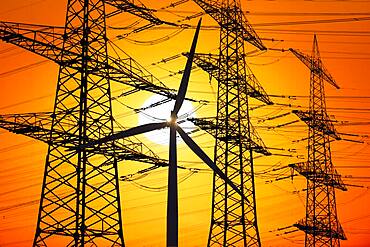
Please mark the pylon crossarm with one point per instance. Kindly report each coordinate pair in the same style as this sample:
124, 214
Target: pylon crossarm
206, 124
254, 88
207, 62
251, 85
42, 41
328, 77
305, 59
319, 176
315, 66
38, 126
321, 229
47, 42
322, 123
250, 34
138, 9
129, 72
219, 12
255, 142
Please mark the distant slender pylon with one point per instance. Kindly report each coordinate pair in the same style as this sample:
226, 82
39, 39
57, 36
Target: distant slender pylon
321, 225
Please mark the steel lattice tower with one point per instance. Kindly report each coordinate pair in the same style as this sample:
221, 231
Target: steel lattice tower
80, 199
234, 219
80, 203
321, 225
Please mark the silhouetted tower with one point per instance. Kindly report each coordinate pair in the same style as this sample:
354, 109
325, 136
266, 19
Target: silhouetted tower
80, 199
234, 218
321, 225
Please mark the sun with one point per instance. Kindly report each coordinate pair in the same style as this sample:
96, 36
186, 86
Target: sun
162, 113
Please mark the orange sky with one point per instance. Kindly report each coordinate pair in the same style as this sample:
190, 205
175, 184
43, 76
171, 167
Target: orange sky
279, 203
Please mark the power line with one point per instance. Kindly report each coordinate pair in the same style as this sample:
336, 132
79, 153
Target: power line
23, 68
261, 13
22, 7
305, 22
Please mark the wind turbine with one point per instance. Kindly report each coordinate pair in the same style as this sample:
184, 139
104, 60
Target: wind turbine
172, 202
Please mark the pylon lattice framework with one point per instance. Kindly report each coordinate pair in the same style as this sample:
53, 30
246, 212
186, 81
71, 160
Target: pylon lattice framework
321, 225
234, 219
80, 195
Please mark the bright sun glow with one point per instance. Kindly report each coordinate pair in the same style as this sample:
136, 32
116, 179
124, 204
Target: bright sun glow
163, 113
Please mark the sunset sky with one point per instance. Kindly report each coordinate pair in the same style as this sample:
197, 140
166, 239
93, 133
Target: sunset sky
28, 84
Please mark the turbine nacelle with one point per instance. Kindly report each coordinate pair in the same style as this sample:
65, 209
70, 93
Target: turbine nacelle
172, 120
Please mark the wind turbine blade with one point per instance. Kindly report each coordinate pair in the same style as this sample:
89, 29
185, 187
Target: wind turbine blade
186, 76
172, 198
201, 154
127, 133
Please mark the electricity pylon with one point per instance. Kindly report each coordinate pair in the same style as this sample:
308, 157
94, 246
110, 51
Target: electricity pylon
80, 197
321, 224
80, 200
234, 218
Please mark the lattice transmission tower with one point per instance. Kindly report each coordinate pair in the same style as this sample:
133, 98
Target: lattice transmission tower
321, 224
80, 200
234, 219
